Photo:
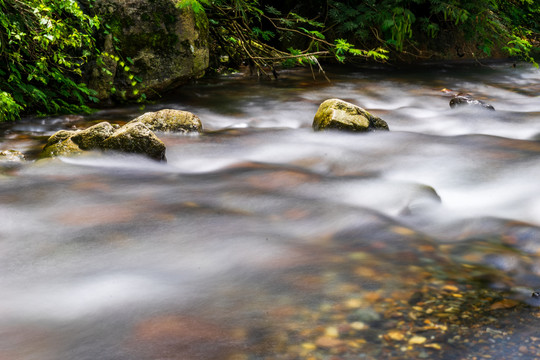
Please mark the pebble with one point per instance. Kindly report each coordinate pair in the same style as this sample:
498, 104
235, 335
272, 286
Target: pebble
328, 342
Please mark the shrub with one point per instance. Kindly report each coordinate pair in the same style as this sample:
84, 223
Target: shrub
43, 46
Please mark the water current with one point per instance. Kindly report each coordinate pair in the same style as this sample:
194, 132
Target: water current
262, 239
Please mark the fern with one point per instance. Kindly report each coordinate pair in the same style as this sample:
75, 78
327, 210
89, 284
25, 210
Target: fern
196, 5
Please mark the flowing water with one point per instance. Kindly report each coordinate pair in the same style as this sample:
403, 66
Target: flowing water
261, 239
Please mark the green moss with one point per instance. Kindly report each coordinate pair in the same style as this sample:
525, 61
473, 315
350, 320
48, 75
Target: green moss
62, 148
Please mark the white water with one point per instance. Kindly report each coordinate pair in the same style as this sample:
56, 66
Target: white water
92, 246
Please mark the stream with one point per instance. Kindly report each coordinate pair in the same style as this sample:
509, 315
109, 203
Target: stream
262, 239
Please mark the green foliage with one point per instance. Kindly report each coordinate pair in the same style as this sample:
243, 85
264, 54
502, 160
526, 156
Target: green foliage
404, 25
9, 109
196, 5
43, 47
246, 31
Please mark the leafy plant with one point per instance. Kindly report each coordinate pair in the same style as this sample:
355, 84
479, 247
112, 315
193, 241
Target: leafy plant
43, 47
404, 25
247, 31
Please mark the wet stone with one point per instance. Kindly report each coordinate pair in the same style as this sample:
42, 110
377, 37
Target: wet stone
136, 138
336, 114
467, 100
169, 120
94, 136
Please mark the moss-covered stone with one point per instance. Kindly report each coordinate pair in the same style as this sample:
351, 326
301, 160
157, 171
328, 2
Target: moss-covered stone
135, 137
340, 115
60, 136
58, 147
169, 120
94, 136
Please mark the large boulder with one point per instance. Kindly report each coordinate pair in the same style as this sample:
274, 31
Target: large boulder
169, 120
337, 114
135, 137
159, 42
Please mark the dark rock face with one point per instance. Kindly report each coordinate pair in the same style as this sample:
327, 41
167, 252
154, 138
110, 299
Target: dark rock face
167, 45
468, 100
340, 115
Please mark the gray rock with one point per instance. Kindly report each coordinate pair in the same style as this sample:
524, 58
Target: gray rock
337, 114
135, 137
169, 120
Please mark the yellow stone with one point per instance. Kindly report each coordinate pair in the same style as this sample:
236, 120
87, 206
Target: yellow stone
309, 346
400, 230
331, 331
358, 325
452, 288
353, 303
395, 335
417, 340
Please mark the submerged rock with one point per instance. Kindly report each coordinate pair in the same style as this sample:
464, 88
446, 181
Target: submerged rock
135, 137
341, 115
169, 120
468, 100
11, 159
11, 155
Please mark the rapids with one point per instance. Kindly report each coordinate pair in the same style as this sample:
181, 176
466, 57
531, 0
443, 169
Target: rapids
259, 238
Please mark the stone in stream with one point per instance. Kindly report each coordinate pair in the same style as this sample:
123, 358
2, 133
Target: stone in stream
169, 120
60, 144
137, 136
94, 136
468, 100
337, 114
11, 159
11, 156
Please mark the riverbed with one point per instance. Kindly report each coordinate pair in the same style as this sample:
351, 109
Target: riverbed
262, 239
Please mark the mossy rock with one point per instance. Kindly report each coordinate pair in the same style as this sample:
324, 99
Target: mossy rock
60, 136
337, 114
58, 145
135, 137
169, 120
94, 136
